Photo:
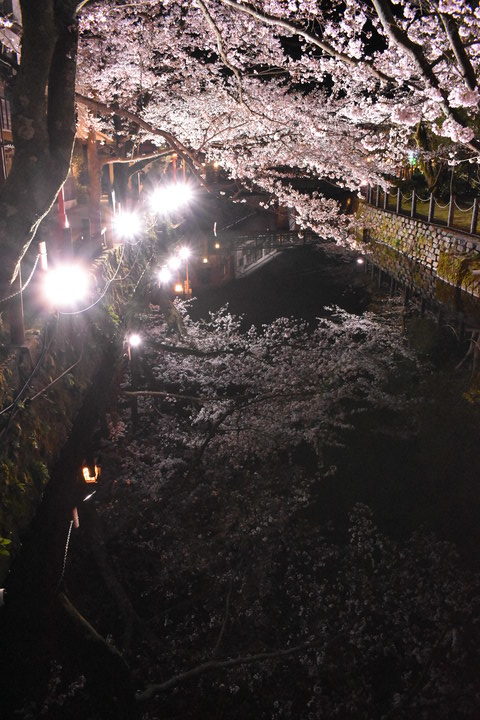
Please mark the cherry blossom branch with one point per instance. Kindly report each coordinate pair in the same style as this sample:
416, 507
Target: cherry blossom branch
416, 53
182, 350
220, 48
164, 394
459, 51
312, 39
225, 618
211, 665
174, 143
109, 160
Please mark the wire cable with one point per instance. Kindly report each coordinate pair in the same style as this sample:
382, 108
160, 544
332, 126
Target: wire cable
43, 352
59, 377
102, 294
64, 564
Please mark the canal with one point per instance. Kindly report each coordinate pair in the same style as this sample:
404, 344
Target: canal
421, 474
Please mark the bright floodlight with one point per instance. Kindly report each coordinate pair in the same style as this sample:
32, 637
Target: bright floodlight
174, 262
65, 285
360, 261
134, 340
170, 198
164, 275
127, 225
184, 253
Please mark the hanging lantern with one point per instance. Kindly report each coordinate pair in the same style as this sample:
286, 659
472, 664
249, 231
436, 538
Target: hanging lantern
88, 478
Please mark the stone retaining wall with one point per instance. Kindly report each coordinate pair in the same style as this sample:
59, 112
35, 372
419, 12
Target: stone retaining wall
449, 254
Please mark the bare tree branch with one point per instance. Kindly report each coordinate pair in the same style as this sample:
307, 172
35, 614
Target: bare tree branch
212, 665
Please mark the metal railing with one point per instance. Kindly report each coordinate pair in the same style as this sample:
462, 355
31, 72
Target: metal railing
270, 240
5, 114
452, 214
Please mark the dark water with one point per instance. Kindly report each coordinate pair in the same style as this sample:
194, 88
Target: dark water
418, 471
298, 283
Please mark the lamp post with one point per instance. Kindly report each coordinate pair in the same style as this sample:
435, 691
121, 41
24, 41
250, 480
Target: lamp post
133, 343
184, 253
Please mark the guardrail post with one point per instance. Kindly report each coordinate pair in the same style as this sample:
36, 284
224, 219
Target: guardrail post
451, 211
431, 208
473, 224
413, 208
398, 206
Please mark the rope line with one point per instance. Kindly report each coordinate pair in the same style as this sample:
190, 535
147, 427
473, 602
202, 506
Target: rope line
24, 287
465, 210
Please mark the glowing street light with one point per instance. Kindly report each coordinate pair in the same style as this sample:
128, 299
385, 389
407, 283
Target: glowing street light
66, 285
134, 340
127, 225
169, 198
164, 275
184, 253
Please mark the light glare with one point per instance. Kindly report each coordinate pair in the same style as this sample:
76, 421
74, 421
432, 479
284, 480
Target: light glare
184, 253
164, 275
66, 285
170, 198
134, 340
127, 224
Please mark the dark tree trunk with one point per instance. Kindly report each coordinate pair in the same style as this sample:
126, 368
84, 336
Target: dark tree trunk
43, 126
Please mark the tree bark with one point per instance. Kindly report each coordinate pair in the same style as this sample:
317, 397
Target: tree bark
43, 127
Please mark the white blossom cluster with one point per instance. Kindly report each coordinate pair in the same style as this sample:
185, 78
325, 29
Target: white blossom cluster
225, 552
332, 89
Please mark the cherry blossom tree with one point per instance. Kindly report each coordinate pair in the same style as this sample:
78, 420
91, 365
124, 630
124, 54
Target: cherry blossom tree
331, 90
224, 590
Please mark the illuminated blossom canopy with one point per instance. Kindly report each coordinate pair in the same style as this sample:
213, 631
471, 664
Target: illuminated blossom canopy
331, 89
340, 91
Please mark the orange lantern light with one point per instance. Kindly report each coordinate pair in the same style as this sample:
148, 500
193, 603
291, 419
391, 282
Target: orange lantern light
90, 478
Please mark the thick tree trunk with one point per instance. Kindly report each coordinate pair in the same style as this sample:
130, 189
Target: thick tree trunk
94, 185
43, 126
